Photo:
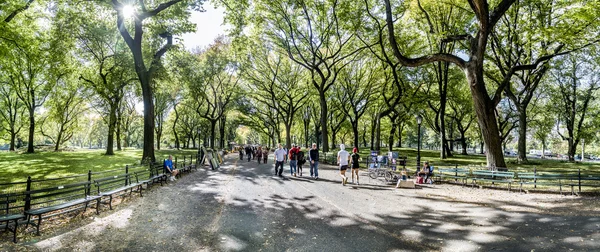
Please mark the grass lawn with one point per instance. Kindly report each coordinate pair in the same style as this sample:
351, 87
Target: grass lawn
16, 167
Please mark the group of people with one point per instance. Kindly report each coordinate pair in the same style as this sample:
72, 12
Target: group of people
297, 158
254, 152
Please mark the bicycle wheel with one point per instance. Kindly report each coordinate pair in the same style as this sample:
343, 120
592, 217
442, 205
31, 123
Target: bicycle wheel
389, 176
373, 174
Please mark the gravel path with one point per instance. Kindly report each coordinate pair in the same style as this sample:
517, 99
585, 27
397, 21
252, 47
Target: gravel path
242, 207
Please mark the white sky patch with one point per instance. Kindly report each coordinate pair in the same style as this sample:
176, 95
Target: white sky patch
209, 25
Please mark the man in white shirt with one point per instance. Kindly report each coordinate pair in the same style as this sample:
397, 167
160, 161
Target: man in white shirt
343, 158
280, 155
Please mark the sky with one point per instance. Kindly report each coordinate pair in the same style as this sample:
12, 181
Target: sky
209, 25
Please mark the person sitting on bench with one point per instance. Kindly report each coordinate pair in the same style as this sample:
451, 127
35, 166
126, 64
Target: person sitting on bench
169, 168
429, 172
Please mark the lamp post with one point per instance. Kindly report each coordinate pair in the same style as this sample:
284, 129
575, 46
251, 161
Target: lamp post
419, 120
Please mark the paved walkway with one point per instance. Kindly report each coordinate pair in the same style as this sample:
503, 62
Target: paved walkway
242, 207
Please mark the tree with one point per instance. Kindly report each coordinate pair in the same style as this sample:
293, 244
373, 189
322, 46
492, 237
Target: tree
172, 10
486, 18
314, 36
66, 105
355, 92
216, 84
573, 95
33, 70
12, 113
513, 43
277, 84
109, 72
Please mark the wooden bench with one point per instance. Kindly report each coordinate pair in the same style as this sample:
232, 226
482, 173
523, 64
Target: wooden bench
492, 176
53, 199
453, 173
543, 179
583, 180
114, 185
8, 215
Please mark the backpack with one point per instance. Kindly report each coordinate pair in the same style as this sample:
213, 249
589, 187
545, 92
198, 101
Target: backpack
294, 155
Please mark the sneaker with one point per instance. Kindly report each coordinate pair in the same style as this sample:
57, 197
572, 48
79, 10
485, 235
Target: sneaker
345, 180
174, 178
357, 183
294, 174
316, 178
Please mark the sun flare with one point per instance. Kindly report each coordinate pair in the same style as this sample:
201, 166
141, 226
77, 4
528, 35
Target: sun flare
128, 11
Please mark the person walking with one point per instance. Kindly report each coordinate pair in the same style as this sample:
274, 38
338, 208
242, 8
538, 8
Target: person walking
259, 154
301, 161
293, 160
248, 153
355, 161
266, 154
313, 157
286, 157
280, 154
343, 158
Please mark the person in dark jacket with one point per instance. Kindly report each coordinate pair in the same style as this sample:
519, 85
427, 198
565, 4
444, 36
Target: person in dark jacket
249, 153
301, 161
313, 157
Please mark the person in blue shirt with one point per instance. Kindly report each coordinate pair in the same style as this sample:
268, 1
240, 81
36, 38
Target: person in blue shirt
170, 169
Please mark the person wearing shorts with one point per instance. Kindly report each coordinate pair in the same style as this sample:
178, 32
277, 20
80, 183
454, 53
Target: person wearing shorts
355, 161
343, 158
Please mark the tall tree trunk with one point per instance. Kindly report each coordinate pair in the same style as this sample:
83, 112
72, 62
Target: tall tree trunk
324, 122
522, 142
118, 131
400, 130
147, 96
175, 126
222, 132
355, 133
391, 137
31, 130
112, 120
213, 125
486, 117
572, 149
373, 127
13, 136
288, 137
60, 132
378, 133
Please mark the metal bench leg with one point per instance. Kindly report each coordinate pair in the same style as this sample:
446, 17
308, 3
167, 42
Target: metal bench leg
14, 230
140, 188
28, 220
98, 206
38, 224
110, 202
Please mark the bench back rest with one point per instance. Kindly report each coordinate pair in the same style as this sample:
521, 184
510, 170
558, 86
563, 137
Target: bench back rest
58, 194
142, 175
453, 170
112, 182
493, 174
12, 198
158, 168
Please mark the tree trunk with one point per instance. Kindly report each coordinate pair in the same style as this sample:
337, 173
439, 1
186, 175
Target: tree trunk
175, 125
118, 132
112, 120
60, 132
572, 148
13, 136
522, 142
288, 137
355, 133
31, 130
400, 130
378, 133
324, 122
222, 132
147, 96
213, 125
484, 108
391, 137
373, 127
